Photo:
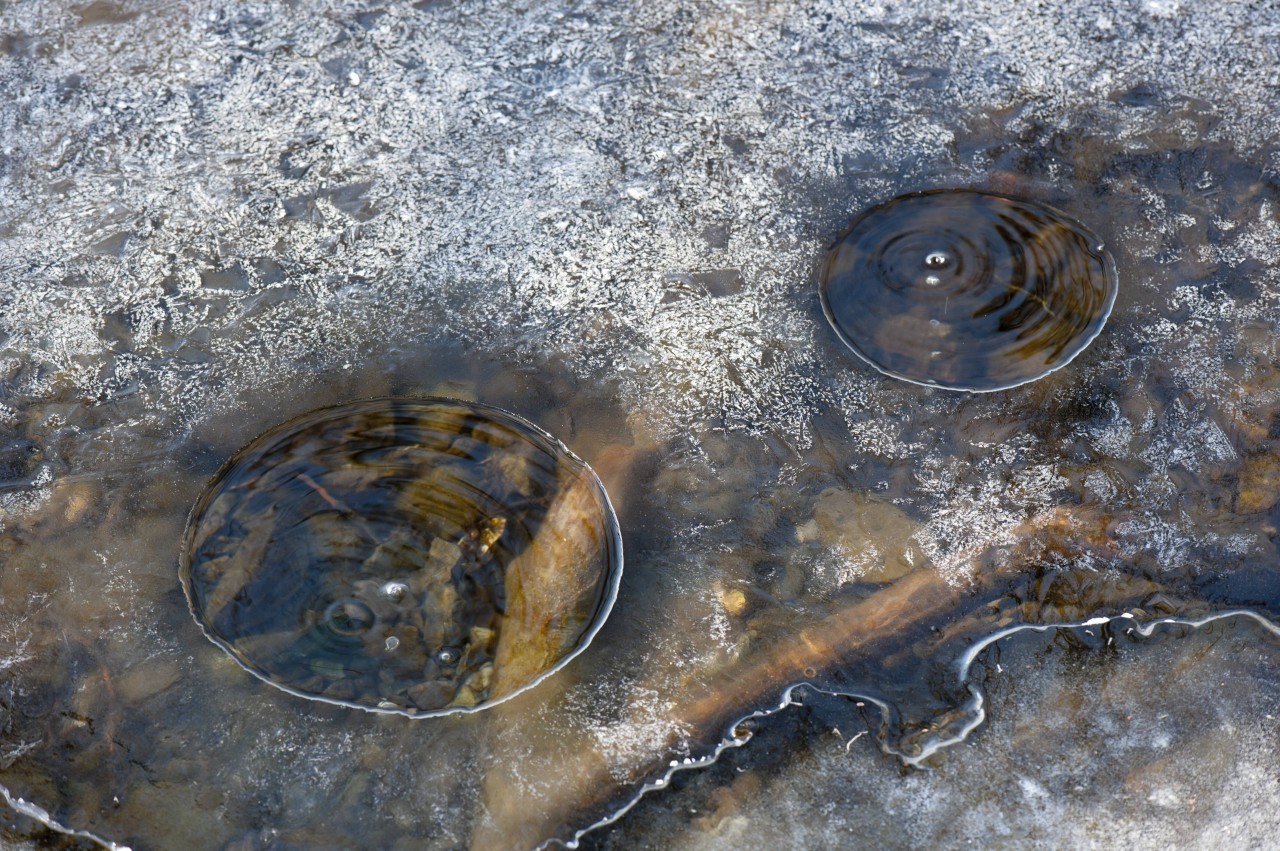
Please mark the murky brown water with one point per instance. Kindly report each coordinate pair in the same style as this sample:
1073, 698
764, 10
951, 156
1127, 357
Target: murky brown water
611, 223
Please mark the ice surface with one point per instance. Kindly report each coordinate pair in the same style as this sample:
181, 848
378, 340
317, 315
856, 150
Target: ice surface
1086, 757
608, 218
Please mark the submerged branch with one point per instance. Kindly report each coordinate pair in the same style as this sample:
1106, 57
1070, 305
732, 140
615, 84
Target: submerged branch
863, 630
552, 587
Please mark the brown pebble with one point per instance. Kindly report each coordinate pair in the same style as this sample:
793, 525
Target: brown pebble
1259, 485
734, 601
432, 695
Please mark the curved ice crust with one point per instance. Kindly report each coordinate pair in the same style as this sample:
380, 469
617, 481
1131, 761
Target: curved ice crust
972, 714
40, 814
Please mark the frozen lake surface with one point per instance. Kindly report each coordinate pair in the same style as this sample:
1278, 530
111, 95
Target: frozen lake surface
609, 219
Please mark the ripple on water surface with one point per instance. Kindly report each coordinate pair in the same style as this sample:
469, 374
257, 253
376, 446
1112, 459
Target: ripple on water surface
967, 290
415, 556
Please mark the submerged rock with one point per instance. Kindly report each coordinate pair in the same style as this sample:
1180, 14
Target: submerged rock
415, 556
872, 537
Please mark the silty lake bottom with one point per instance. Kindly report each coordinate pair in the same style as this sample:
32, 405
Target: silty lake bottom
610, 222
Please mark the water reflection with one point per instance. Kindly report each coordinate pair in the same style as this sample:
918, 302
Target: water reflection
967, 290
409, 555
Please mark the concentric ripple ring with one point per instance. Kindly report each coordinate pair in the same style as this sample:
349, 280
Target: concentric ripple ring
417, 556
967, 290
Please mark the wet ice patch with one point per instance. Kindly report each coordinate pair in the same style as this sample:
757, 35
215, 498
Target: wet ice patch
968, 518
1187, 440
1162, 9
412, 140
17, 505
1113, 437
648, 729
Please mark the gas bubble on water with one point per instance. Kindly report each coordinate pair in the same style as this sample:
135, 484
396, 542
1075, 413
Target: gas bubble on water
1026, 290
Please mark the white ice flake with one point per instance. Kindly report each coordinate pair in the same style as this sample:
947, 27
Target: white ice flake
1113, 437
1163, 9
650, 728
